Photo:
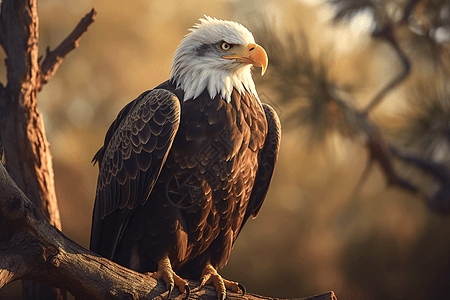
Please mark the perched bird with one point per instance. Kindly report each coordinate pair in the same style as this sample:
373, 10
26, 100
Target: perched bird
185, 164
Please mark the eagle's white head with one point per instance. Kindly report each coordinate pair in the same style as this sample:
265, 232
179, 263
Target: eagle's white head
217, 55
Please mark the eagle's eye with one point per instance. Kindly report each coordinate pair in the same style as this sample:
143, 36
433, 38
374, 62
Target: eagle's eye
225, 46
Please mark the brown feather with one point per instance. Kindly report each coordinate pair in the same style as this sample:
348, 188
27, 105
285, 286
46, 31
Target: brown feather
188, 184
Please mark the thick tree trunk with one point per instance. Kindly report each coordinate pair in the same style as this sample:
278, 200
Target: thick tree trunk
22, 132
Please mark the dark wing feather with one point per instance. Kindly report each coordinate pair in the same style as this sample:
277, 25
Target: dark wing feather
266, 163
135, 149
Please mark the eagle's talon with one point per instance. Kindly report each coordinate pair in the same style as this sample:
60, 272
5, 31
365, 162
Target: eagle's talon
243, 289
170, 289
221, 285
204, 280
166, 273
188, 291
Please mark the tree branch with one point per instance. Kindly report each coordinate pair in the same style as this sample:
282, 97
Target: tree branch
440, 201
53, 59
387, 33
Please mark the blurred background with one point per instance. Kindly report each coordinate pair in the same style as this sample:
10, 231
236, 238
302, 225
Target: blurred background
331, 220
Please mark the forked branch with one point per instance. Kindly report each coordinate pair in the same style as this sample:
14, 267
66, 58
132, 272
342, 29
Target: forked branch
53, 59
388, 34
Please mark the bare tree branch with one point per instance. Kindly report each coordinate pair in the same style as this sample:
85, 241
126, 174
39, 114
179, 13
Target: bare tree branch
440, 201
53, 59
387, 33
347, 9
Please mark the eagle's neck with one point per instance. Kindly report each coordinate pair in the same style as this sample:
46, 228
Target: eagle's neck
194, 78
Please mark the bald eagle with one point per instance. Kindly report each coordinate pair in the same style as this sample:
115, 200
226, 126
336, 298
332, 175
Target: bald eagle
185, 164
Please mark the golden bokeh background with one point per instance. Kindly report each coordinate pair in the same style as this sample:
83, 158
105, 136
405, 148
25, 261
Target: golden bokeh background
317, 231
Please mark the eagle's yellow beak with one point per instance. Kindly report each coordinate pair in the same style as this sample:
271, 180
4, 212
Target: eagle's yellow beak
254, 55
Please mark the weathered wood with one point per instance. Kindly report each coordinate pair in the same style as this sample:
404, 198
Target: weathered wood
31, 248
22, 132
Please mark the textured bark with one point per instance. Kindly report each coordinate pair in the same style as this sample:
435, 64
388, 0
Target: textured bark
31, 248
22, 132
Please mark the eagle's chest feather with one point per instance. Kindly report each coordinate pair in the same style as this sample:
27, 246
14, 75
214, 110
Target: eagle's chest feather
207, 179
219, 141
